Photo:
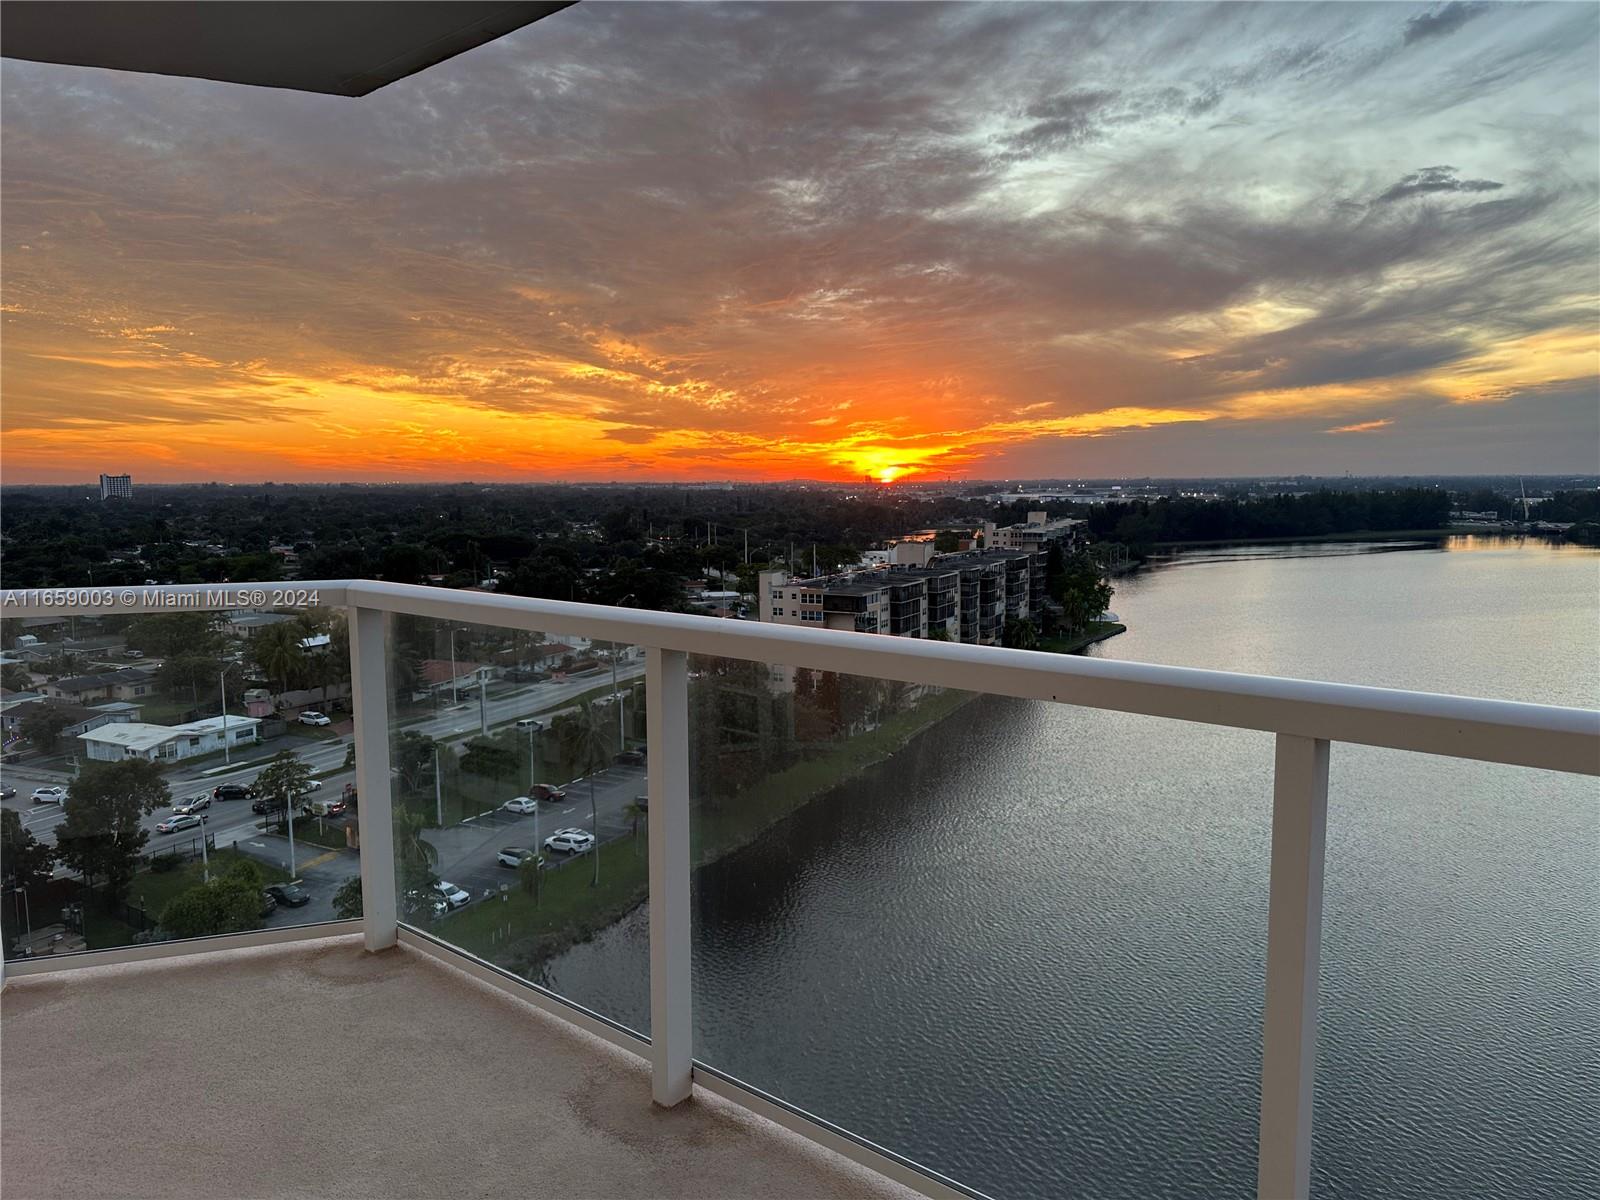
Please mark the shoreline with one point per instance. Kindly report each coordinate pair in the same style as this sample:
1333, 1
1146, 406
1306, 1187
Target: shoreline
1098, 631
571, 907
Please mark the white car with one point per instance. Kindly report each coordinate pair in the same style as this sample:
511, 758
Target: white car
203, 800
569, 841
315, 718
313, 785
515, 856
49, 795
173, 824
522, 804
453, 895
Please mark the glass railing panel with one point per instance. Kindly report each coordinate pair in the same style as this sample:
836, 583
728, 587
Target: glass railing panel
1458, 1024
149, 769
521, 819
984, 933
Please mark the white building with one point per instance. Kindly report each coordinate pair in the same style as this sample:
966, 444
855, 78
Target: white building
168, 743
1035, 534
116, 487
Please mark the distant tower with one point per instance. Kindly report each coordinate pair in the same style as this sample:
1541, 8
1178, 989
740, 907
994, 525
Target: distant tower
116, 487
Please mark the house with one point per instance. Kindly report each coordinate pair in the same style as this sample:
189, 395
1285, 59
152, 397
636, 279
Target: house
440, 674
81, 718
132, 683
168, 743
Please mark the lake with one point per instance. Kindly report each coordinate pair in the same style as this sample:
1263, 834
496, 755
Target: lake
1028, 951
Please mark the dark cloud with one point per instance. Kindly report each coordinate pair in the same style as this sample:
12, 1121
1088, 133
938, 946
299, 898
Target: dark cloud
1440, 21
742, 220
1430, 180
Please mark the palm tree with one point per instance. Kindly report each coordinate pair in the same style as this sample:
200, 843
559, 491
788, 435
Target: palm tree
590, 744
277, 651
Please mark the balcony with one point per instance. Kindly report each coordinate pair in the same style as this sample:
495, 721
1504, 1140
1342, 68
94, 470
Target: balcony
481, 1095
486, 1044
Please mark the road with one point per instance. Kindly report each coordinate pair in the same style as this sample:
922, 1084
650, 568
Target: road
230, 821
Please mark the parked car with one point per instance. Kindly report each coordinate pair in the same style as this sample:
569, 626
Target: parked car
569, 841
529, 723
514, 856
453, 895
232, 791
630, 758
180, 821
522, 804
133, 654
7, 791
322, 808
202, 801
290, 894
49, 795
417, 901
269, 904
315, 718
548, 792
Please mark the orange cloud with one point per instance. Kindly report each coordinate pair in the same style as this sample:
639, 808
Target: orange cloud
1362, 427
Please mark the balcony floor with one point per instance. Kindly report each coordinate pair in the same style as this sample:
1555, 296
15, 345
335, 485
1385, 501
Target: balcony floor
317, 1069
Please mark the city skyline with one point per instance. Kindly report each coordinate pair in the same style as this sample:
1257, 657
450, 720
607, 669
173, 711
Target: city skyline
642, 242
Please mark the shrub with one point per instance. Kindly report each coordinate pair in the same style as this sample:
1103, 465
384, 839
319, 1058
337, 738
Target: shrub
162, 863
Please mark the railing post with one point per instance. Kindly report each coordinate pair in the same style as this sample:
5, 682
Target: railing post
671, 1014
369, 677
1294, 949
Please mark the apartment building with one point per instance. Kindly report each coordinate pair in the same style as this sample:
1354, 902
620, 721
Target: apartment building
966, 596
1038, 533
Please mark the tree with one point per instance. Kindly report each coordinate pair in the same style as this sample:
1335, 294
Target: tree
15, 677
1020, 633
530, 875
417, 857
277, 652
483, 757
284, 781
413, 755
347, 900
24, 859
170, 635
101, 836
42, 725
189, 671
230, 904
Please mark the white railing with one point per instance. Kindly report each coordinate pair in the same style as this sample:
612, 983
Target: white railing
1305, 716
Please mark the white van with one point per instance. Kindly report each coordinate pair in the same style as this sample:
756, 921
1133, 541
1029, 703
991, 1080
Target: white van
529, 723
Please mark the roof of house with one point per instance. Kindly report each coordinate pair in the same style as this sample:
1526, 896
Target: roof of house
85, 683
439, 670
137, 735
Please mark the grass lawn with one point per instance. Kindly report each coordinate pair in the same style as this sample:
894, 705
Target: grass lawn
105, 932
153, 890
1096, 631
568, 910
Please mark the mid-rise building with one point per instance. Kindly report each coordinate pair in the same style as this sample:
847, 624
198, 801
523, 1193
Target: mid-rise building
967, 596
116, 487
1038, 533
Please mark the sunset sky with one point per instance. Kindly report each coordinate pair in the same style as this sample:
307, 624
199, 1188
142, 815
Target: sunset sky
716, 241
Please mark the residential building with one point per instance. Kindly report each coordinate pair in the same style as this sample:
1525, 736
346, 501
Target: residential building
1038, 533
116, 487
169, 743
442, 675
132, 683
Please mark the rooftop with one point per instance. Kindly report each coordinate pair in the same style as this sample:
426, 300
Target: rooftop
421, 1081
137, 735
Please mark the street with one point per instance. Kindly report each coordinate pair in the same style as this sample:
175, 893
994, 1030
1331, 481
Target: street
231, 820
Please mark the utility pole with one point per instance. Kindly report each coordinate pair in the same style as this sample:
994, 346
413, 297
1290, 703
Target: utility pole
222, 679
747, 547
455, 693
290, 802
483, 704
205, 859
438, 787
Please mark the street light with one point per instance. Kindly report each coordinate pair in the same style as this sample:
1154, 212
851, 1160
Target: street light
455, 693
205, 859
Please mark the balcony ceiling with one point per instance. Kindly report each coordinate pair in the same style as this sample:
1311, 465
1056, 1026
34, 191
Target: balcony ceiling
338, 47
